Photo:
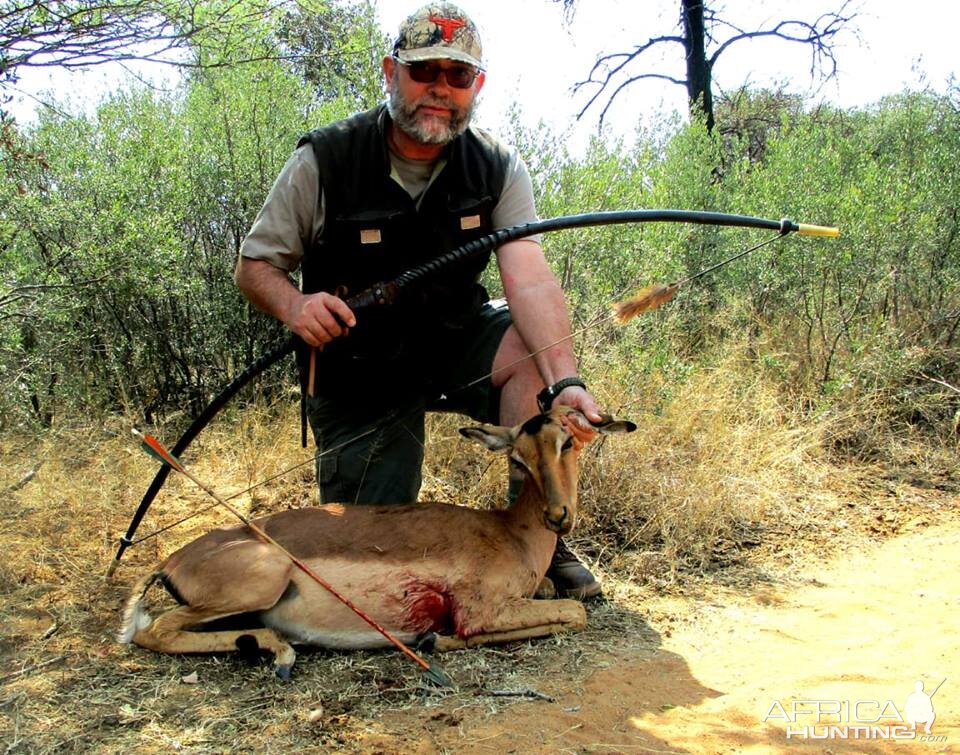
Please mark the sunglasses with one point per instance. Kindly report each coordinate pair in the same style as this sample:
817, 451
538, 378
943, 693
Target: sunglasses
458, 76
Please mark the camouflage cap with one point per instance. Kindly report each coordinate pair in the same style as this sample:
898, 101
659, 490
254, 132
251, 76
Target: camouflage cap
439, 30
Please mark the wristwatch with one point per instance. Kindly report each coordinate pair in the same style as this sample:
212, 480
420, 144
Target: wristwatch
547, 395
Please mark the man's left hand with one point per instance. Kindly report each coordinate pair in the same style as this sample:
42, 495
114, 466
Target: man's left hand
580, 399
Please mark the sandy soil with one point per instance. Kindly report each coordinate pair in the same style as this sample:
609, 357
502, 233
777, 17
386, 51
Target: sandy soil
865, 627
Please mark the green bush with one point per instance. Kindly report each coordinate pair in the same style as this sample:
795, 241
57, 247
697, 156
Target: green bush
120, 231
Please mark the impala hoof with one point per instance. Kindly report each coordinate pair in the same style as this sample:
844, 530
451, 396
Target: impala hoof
283, 671
546, 589
426, 642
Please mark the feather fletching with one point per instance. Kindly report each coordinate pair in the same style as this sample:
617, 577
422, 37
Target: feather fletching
646, 300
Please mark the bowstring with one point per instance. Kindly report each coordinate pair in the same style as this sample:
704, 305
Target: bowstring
598, 319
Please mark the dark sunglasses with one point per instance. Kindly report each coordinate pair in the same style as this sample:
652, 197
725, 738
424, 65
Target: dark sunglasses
458, 76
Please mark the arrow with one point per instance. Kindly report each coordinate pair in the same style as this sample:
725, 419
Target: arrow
154, 448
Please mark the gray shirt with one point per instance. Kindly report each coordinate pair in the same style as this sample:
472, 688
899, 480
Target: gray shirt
291, 218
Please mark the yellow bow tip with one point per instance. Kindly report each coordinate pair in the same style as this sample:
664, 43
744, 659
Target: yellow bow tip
824, 231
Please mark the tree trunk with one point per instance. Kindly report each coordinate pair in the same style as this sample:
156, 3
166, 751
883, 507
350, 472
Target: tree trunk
698, 68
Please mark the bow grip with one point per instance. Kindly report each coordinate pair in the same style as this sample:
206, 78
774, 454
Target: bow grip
378, 295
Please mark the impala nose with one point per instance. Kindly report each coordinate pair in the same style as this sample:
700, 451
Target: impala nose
560, 522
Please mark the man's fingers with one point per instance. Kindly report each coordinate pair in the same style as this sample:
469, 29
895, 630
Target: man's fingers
324, 317
581, 433
339, 308
581, 400
316, 335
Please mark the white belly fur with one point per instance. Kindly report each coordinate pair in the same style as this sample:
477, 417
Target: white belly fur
313, 616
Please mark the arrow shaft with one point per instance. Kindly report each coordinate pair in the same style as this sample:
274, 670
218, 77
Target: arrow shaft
300, 564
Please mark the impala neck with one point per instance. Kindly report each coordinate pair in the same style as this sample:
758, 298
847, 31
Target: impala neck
527, 514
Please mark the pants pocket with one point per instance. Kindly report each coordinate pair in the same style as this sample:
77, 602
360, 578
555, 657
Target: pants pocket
326, 467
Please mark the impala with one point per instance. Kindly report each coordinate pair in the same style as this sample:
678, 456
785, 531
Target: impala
456, 575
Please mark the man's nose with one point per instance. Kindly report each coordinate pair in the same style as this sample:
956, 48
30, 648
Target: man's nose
440, 84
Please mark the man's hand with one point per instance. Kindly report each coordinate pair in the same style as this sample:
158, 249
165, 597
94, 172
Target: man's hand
319, 318
577, 398
316, 318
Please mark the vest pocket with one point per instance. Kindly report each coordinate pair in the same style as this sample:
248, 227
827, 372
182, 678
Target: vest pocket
364, 248
469, 219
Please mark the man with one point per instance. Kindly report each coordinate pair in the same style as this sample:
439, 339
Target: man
364, 199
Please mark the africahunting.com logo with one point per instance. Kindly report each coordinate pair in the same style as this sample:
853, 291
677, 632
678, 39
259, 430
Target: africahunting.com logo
860, 719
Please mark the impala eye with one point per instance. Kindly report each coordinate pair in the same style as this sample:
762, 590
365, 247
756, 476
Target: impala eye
516, 461
568, 444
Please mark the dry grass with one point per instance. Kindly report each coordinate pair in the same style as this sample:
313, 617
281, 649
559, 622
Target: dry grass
728, 474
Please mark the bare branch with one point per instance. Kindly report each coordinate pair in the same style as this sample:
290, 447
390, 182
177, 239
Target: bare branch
702, 27
627, 83
819, 35
80, 33
609, 66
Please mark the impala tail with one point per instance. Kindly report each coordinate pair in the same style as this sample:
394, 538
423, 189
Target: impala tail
135, 616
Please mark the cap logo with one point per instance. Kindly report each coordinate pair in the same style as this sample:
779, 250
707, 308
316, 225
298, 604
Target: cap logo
447, 25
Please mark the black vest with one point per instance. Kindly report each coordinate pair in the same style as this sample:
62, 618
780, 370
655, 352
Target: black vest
373, 231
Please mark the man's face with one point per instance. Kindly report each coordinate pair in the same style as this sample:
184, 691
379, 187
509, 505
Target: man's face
430, 113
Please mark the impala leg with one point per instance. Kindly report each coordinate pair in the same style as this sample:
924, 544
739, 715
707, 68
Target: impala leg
169, 634
239, 578
522, 619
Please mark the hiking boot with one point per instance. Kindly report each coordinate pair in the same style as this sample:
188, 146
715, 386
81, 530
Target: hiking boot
570, 577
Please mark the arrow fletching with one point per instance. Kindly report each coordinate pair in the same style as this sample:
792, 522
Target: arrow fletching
646, 300
155, 449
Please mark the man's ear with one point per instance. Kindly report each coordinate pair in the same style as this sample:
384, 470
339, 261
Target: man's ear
389, 68
494, 437
478, 84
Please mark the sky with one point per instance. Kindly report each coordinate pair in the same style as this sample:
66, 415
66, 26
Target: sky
533, 57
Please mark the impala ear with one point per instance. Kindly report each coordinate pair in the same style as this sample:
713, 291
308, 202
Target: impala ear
494, 437
608, 425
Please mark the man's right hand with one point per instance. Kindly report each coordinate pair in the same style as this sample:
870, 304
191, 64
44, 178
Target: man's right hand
319, 318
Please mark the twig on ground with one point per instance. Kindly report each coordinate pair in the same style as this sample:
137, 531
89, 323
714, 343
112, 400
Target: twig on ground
531, 693
944, 383
22, 482
31, 669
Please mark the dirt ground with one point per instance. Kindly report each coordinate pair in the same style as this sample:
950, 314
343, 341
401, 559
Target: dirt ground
864, 627
847, 617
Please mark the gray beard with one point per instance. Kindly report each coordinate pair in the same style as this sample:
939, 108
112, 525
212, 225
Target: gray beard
428, 129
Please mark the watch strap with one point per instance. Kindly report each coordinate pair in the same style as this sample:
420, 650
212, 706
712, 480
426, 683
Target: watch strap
547, 395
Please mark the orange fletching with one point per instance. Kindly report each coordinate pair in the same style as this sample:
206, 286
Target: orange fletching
154, 447
646, 299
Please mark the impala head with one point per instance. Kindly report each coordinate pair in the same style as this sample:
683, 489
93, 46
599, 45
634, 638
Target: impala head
547, 452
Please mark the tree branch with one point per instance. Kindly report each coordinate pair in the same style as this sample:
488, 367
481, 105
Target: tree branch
80, 33
19, 293
604, 64
609, 74
820, 39
627, 83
